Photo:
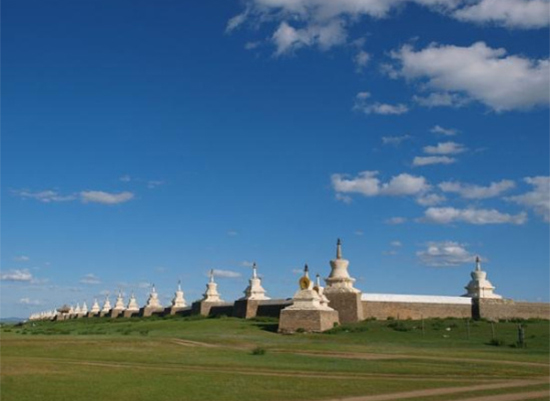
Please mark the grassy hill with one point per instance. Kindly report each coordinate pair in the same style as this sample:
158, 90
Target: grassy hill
222, 359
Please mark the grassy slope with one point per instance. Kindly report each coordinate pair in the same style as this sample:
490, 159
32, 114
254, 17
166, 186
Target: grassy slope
141, 359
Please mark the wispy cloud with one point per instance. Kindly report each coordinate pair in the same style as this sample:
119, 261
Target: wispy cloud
471, 191
29, 302
90, 279
105, 198
437, 129
446, 215
363, 105
21, 258
395, 140
538, 199
429, 160
226, 273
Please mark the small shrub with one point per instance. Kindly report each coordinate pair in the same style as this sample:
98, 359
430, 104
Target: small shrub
399, 326
258, 351
300, 330
497, 342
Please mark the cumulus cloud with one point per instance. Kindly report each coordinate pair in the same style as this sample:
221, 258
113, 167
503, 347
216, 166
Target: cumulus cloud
368, 184
16, 275
437, 129
395, 140
428, 160
105, 198
90, 279
500, 81
363, 105
520, 14
445, 254
538, 199
470, 191
324, 35
430, 199
446, 215
226, 273
445, 148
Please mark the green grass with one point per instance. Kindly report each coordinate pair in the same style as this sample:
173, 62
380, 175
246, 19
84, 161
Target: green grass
157, 358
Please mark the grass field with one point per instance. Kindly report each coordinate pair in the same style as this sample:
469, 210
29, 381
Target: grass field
225, 359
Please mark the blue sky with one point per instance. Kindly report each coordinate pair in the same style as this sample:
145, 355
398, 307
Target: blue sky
145, 142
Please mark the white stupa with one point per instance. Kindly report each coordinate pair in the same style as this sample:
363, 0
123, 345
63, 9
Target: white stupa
132, 304
479, 286
321, 291
77, 310
95, 307
211, 294
119, 303
106, 305
179, 301
153, 300
71, 311
84, 308
255, 291
339, 279
306, 298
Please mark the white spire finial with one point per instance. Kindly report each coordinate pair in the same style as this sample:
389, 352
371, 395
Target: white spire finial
318, 280
478, 263
211, 275
179, 285
306, 271
254, 270
339, 249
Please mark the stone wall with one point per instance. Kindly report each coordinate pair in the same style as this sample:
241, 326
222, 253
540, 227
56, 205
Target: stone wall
414, 310
504, 309
246, 309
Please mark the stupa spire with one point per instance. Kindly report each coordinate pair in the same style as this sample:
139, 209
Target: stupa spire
478, 263
339, 249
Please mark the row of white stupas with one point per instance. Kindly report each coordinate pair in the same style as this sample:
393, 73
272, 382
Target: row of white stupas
339, 280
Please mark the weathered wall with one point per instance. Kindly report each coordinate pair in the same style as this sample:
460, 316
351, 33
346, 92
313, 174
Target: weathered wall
503, 309
313, 320
247, 309
414, 310
348, 305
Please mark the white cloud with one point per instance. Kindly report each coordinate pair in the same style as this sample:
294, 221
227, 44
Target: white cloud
520, 14
21, 258
538, 199
445, 148
226, 273
252, 45
361, 60
470, 191
367, 184
90, 279
359, 233
105, 198
437, 129
235, 22
28, 301
427, 160
396, 220
247, 263
440, 99
395, 140
154, 183
361, 104
325, 35
46, 196
125, 178
445, 254
446, 215
396, 244
232, 233
16, 275
500, 81
430, 199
